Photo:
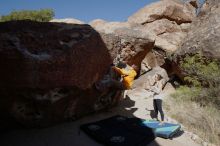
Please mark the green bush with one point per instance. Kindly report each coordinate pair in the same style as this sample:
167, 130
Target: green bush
203, 76
43, 15
201, 71
186, 93
197, 104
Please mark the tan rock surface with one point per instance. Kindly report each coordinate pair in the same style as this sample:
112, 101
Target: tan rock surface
171, 10
68, 20
204, 35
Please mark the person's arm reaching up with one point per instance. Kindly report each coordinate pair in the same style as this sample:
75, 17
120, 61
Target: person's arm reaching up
120, 71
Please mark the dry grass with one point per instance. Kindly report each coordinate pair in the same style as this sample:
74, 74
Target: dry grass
204, 121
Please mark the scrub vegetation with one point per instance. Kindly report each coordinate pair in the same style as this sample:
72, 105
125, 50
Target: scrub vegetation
197, 104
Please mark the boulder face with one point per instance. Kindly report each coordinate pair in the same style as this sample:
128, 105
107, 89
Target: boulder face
49, 70
46, 55
171, 10
125, 42
204, 35
169, 20
148, 81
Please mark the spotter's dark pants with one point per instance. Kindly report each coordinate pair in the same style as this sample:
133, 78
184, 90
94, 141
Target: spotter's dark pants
158, 107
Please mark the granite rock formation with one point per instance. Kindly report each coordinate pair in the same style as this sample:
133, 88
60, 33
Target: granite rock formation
49, 71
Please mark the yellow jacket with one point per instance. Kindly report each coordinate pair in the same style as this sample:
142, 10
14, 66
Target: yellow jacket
128, 76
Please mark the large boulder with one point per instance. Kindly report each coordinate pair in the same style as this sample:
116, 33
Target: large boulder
169, 21
125, 41
154, 79
204, 35
168, 9
46, 55
150, 61
49, 71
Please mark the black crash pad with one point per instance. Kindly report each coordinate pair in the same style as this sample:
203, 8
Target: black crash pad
119, 131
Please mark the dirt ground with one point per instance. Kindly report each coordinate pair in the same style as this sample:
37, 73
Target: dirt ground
137, 104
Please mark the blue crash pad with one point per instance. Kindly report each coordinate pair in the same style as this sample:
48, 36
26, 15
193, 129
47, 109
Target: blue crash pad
167, 130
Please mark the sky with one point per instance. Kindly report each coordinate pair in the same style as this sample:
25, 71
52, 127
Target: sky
84, 10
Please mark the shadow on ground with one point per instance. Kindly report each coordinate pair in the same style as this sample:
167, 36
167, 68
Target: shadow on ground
66, 134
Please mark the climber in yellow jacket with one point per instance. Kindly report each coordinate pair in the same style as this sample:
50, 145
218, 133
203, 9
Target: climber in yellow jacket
128, 75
